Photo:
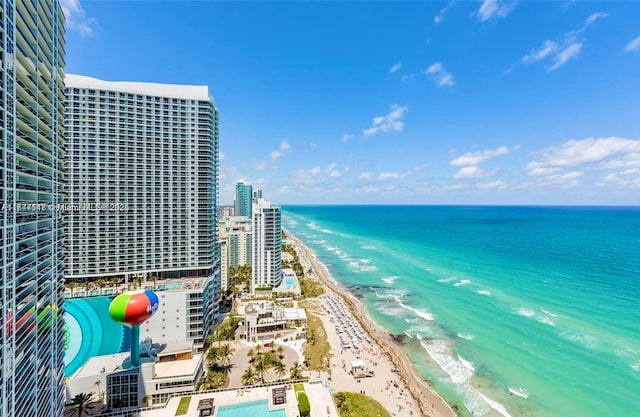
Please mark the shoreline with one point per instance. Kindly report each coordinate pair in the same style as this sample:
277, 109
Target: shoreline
428, 401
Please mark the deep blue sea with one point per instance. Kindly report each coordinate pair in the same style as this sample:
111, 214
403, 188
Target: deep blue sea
512, 311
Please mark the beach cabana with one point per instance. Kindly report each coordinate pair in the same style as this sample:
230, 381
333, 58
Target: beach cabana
357, 369
279, 395
205, 407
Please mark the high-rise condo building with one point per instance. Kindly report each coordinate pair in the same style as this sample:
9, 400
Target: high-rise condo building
236, 235
267, 238
142, 167
244, 196
32, 59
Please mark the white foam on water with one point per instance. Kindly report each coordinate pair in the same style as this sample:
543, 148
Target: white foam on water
353, 263
441, 354
548, 313
525, 312
519, 391
588, 341
368, 268
546, 320
495, 405
418, 312
368, 247
484, 292
413, 320
466, 363
636, 366
314, 226
447, 279
462, 282
466, 336
390, 280
408, 334
365, 260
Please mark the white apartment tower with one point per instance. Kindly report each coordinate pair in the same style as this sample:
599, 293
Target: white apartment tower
267, 240
142, 167
235, 234
32, 59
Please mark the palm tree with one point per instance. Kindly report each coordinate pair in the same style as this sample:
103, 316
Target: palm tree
72, 286
295, 372
251, 354
212, 355
154, 279
81, 403
225, 353
280, 369
97, 384
280, 350
248, 377
260, 368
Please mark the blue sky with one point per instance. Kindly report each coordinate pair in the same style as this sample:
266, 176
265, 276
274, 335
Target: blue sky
483, 102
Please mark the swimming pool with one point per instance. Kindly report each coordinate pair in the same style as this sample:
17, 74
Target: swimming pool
91, 332
289, 282
252, 409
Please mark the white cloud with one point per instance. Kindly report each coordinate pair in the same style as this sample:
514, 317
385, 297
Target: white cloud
565, 48
494, 8
391, 122
221, 155
633, 45
474, 158
345, 138
273, 157
547, 48
493, 185
568, 176
443, 12
390, 176
473, 172
576, 153
77, 19
395, 68
315, 174
441, 76
629, 178
568, 53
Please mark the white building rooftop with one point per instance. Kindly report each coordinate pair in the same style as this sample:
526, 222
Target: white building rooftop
190, 92
172, 369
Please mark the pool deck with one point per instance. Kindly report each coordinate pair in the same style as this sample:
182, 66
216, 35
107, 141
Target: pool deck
319, 398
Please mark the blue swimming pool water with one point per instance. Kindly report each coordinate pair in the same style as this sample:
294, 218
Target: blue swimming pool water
92, 332
252, 409
290, 282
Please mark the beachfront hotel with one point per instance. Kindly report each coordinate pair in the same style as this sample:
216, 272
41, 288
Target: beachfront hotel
142, 163
244, 199
31, 231
266, 266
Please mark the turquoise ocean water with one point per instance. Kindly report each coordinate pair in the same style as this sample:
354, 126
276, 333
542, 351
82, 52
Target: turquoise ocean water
512, 311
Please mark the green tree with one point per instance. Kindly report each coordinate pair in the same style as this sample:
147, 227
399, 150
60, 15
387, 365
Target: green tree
248, 377
295, 372
260, 367
251, 354
97, 384
81, 403
280, 369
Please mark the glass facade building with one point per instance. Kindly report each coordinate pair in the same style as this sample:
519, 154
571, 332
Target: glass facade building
266, 267
32, 59
244, 197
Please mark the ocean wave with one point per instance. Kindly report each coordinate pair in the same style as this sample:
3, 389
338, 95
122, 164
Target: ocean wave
390, 280
368, 268
462, 282
412, 320
546, 320
495, 405
548, 313
636, 366
447, 279
525, 312
314, 226
466, 336
365, 260
408, 334
418, 312
466, 363
368, 247
440, 353
588, 341
519, 391
484, 292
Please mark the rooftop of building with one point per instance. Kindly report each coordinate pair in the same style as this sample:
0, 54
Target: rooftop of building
172, 369
190, 92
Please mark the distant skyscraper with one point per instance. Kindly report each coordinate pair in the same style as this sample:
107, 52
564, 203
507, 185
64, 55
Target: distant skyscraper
244, 195
32, 59
147, 155
267, 240
257, 194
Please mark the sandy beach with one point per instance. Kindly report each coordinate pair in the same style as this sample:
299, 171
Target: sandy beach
395, 383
